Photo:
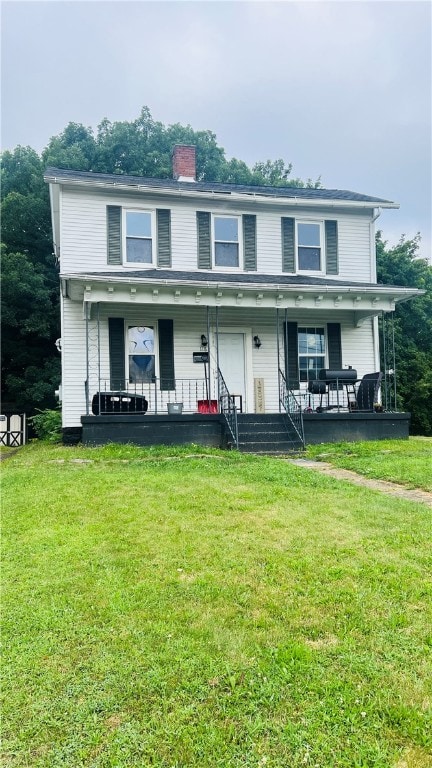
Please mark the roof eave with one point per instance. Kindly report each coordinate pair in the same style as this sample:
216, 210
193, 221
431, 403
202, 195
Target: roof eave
225, 196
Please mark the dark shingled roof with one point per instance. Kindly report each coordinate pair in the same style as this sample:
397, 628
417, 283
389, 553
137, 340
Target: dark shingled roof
305, 193
243, 278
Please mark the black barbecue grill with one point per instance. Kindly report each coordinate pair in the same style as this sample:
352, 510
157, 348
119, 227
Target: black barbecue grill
330, 380
339, 376
118, 402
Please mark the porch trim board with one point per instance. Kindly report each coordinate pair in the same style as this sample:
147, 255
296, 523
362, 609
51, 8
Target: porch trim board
366, 300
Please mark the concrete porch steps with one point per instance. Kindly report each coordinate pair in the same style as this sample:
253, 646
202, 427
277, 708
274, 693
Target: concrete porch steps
266, 433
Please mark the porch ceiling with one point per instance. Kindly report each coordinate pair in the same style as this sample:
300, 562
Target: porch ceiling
266, 291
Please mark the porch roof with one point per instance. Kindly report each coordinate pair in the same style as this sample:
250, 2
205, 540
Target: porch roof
245, 289
245, 279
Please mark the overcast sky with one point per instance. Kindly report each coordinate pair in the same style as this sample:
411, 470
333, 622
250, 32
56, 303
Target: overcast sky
340, 89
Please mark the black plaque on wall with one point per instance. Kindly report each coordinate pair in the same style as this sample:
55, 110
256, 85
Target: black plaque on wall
200, 357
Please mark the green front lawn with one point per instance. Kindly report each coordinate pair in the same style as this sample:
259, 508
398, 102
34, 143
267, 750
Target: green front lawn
408, 462
210, 611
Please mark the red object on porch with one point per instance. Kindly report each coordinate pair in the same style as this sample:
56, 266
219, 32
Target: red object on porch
207, 406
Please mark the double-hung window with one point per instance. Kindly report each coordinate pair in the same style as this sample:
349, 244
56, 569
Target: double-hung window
226, 241
311, 351
309, 246
141, 354
139, 237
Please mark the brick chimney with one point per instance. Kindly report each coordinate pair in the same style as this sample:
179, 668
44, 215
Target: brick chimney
183, 157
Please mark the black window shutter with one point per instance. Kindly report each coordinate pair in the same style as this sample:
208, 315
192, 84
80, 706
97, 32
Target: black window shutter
334, 344
114, 237
291, 355
204, 243
331, 247
249, 242
163, 218
288, 251
116, 337
166, 354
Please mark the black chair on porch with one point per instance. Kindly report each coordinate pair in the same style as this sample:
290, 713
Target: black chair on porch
367, 393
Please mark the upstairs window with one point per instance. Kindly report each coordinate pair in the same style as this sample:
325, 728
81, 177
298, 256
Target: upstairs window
311, 352
226, 241
309, 247
139, 245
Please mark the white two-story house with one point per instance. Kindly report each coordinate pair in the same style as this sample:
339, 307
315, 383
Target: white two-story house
189, 308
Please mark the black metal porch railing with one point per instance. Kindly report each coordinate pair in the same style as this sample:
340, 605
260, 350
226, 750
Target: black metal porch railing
152, 397
291, 409
228, 408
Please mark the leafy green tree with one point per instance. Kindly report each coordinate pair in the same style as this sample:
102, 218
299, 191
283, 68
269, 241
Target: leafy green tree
74, 148
276, 174
22, 172
143, 147
30, 292
401, 265
26, 227
30, 368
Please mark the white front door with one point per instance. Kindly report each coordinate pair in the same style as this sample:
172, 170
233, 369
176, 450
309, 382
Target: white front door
232, 363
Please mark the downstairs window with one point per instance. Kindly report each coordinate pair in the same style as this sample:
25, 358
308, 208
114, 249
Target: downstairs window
141, 354
311, 352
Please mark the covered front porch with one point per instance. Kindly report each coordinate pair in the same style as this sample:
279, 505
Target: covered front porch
215, 351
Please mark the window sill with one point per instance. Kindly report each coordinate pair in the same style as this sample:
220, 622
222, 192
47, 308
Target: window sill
138, 265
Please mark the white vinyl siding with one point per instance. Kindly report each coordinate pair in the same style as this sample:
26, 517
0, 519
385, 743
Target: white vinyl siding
73, 363
84, 233
184, 237
354, 248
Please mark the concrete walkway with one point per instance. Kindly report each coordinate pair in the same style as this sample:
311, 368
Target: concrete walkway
393, 489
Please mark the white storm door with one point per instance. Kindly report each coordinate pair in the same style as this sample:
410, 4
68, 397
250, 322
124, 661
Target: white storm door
232, 362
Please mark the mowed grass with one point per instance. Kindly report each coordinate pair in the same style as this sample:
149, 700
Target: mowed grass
408, 462
187, 607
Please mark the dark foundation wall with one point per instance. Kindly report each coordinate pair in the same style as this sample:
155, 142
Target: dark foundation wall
71, 435
352, 427
209, 429
206, 430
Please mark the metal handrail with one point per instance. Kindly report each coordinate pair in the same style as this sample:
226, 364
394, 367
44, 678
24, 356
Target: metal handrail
227, 407
291, 407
